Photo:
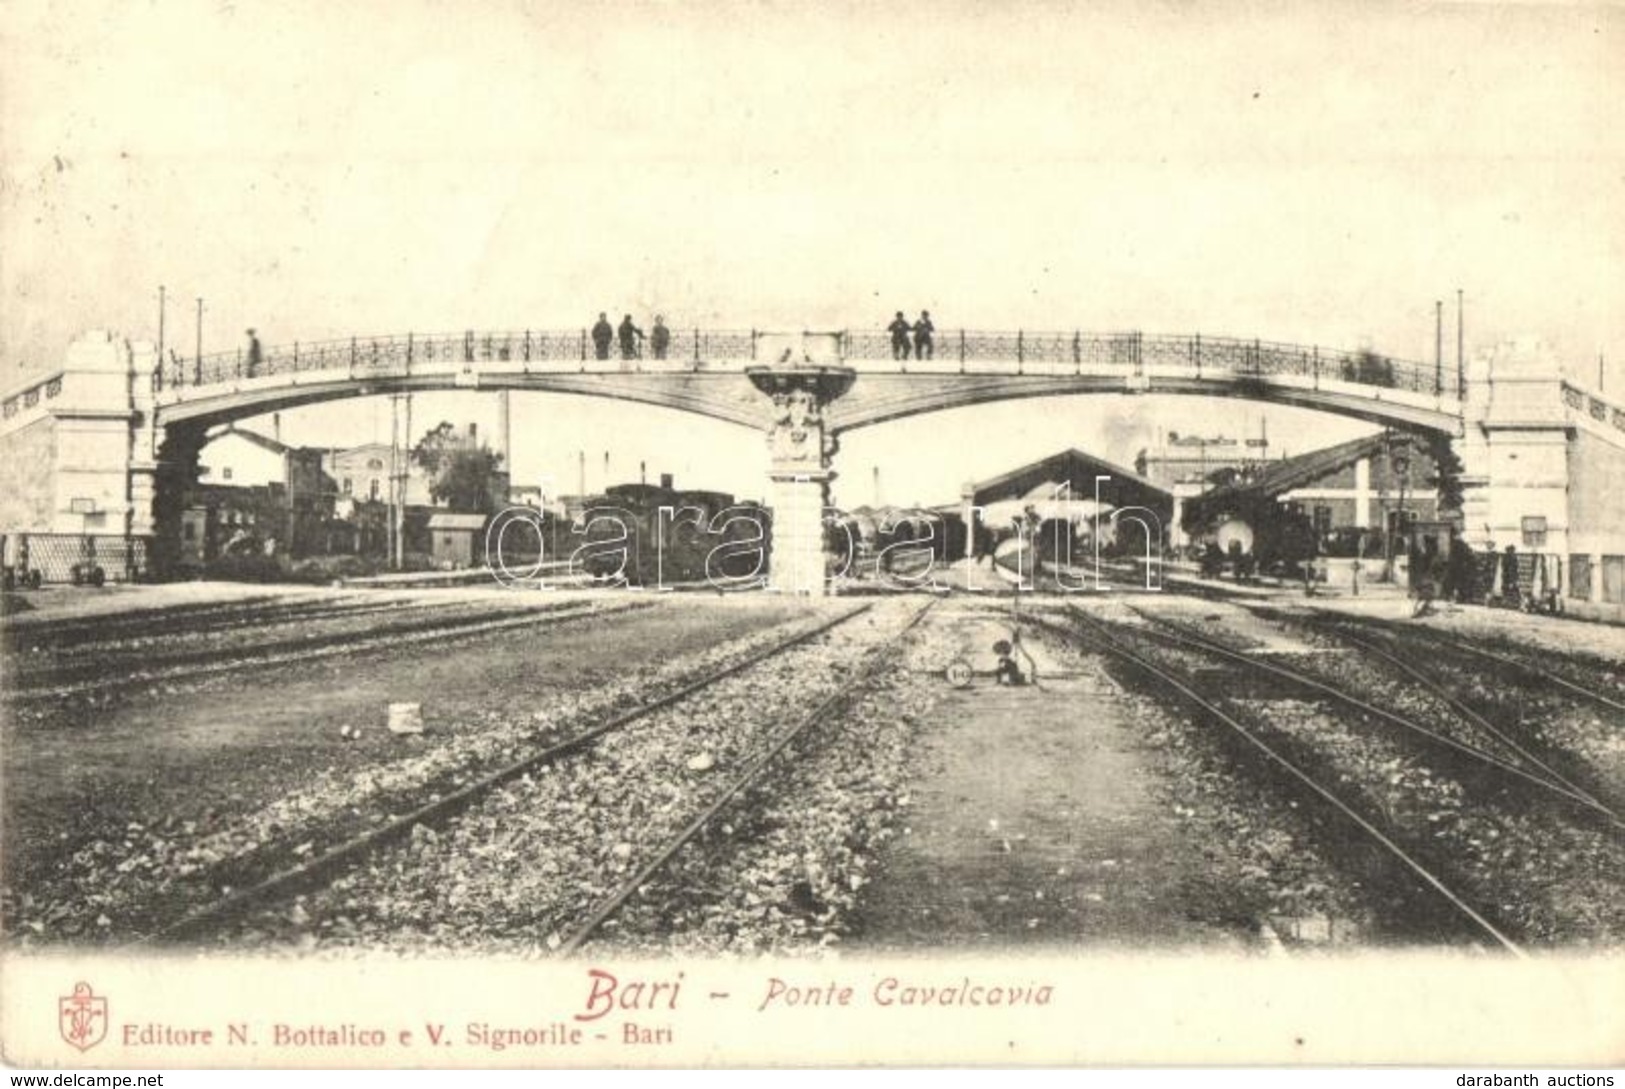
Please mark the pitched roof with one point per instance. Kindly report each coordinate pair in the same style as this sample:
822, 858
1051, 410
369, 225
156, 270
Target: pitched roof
1295, 472
265, 442
1125, 488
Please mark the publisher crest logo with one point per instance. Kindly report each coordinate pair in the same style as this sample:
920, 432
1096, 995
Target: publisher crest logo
82, 1017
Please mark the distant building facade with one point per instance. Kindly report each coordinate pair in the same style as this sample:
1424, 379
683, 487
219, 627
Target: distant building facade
256, 493
1356, 497
362, 474
1187, 465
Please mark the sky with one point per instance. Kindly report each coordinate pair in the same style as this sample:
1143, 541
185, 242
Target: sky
1316, 172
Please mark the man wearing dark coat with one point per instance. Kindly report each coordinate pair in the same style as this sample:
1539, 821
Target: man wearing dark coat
923, 329
602, 334
630, 335
899, 330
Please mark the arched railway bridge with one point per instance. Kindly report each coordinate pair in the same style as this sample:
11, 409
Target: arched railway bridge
106, 443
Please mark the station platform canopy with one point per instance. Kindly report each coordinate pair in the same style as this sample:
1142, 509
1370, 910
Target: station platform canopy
1272, 481
1071, 476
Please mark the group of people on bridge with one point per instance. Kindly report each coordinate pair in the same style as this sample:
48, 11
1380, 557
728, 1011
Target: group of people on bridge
920, 331
631, 337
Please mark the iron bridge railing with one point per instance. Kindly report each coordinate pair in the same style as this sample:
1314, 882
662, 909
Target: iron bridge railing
695, 350
1598, 409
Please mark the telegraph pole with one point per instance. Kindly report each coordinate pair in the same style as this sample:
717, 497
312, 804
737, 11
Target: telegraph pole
198, 358
394, 478
160, 327
1438, 347
406, 471
1461, 358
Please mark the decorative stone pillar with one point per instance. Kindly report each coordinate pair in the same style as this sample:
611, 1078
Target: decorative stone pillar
801, 449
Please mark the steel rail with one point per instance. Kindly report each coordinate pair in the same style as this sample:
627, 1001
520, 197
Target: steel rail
22, 628
1535, 671
1438, 689
286, 651
629, 888
314, 870
200, 624
1355, 702
1105, 644
1451, 642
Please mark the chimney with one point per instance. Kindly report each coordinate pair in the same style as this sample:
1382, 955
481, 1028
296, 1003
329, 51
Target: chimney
276, 426
665, 481
473, 435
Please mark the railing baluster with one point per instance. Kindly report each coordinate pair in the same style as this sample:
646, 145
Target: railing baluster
961, 351
1021, 351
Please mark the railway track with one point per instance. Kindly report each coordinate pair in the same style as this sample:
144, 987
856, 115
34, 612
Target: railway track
1424, 671
1534, 674
1308, 780
752, 774
31, 627
93, 678
1213, 591
162, 624
327, 865
1523, 766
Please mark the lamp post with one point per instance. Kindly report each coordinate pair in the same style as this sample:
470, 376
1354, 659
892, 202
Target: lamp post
1387, 528
1400, 463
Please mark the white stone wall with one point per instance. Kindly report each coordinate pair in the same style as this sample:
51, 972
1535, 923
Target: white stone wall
798, 563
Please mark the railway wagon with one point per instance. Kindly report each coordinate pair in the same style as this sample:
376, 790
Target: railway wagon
646, 535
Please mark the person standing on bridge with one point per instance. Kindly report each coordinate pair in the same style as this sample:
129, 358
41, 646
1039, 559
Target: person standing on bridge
602, 334
922, 337
659, 337
254, 354
630, 335
899, 330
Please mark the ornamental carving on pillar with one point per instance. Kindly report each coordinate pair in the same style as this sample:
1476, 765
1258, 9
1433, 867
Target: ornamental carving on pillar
797, 433
798, 436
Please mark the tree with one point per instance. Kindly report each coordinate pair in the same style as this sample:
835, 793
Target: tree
1449, 471
462, 474
1371, 369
